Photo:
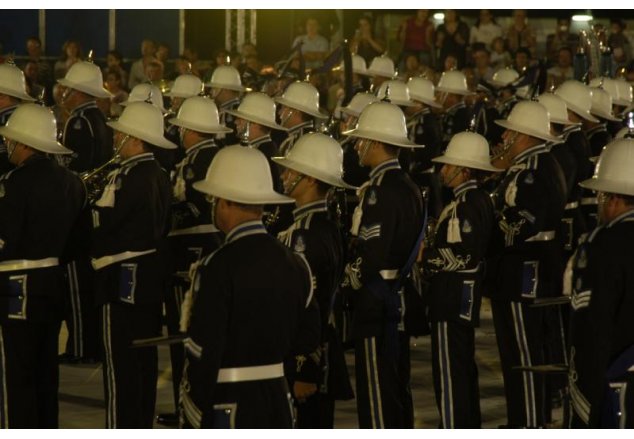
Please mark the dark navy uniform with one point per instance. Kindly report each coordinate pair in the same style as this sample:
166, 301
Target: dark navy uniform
577, 142
5, 114
601, 326
192, 237
39, 204
386, 225
527, 265
128, 233
229, 120
455, 265
598, 136
248, 299
424, 129
318, 238
454, 120
293, 134
88, 136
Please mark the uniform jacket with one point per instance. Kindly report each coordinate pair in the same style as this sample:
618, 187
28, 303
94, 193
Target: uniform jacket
88, 136
5, 165
39, 204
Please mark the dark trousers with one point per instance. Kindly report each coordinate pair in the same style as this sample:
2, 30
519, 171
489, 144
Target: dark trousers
519, 330
29, 374
82, 316
384, 396
318, 411
173, 303
129, 374
455, 375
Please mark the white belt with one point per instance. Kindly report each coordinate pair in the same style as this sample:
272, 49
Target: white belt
196, 230
572, 205
104, 261
27, 264
587, 201
389, 274
542, 236
253, 373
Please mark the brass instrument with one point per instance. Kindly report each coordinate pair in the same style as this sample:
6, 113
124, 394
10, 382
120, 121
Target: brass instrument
97, 179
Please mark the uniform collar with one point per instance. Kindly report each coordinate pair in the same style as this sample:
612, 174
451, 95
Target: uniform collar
464, 187
254, 227
138, 158
9, 110
384, 167
597, 129
260, 140
230, 104
84, 106
629, 215
207, 143
314, 207
301, 127
569, 130
533, 150
456, 107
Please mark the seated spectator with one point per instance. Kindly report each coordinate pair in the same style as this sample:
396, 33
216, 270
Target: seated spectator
482, 65
485, 30
71, 53
114, 63
561, 38
314, 46
114, 84
520, 34
364, 42
500, 56
452, 37
563, 70
417, 36
137, 71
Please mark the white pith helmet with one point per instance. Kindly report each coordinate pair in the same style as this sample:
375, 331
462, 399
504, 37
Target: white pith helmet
470, 150
145, 122
241, 175
200, 114
316, 155
35, 126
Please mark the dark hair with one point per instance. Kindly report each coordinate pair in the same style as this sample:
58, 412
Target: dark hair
36, 39
163, 44
115, 73
477, 23
523, 50
67, 43
565, 49
116, 54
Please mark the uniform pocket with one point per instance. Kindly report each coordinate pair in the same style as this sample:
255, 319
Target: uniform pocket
17, 297
466, 300
530, 279
225, 415
127, 282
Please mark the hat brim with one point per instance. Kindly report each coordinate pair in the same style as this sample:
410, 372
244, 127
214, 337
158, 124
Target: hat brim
382, 137
401, 103
236, 195
49, 147
373, 73
613, 187
622, 102
466, 163
159, 141
200, 128
85, 88
126, 103
563, 121
226, 86
258, 120
425, 101
319, 114
16, 94
455, 91
604, 115
581, 113
332, 180
524, 130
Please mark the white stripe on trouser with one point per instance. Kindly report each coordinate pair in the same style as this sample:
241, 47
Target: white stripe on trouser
111, 404
562, 332
525, 358
446, 386
4, 416
374, 389
178, 294
78, 345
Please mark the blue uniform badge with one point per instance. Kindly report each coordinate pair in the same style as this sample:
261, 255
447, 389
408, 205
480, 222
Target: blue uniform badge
77, 125
300, 245
466, 227
17, 297
529, 179
127, 283
371, 197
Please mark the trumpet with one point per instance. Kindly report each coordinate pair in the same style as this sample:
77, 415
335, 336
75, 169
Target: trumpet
96, 180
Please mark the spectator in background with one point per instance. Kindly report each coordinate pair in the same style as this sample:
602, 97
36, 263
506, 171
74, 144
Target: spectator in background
563, 70
137, 71
114, 63
155, 74
364, 42
114, 84
450, 63
314, 46
482, 64
199, 67
163, 54
520, 34
619, 43
452, 37
561, 38
31, 77
485, 30
44, 69
500, 56
71, 53
522, 59
417, 36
